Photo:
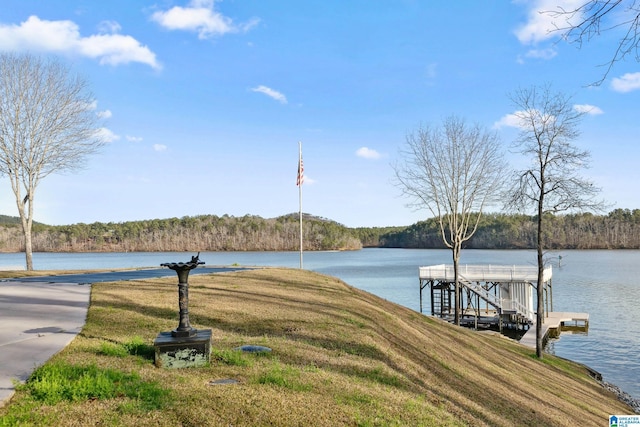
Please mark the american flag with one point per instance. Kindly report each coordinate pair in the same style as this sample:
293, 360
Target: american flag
300, 179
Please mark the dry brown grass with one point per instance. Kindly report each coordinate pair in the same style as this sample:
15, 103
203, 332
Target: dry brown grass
340, 356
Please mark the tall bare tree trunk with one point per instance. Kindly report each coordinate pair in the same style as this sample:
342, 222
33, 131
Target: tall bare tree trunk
456, 262
28, 248
25, 210
539, 289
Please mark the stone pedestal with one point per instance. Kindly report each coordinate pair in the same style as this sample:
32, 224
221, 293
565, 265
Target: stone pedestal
183, 351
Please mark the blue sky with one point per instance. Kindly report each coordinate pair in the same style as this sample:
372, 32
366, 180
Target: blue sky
205, 102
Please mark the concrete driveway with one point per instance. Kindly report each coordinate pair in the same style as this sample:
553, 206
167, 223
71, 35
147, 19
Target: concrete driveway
37, 321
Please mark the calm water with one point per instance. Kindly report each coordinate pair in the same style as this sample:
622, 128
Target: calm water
605, 284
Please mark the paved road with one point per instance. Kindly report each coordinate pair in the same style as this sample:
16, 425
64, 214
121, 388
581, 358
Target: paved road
113, 276
39, 316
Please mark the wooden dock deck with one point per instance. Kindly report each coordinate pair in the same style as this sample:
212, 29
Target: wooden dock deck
553, 324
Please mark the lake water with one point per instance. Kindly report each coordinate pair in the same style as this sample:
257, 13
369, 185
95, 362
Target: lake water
605, 284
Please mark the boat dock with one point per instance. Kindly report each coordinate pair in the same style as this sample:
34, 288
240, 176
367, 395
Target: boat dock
494, 294
553, 324
498, 296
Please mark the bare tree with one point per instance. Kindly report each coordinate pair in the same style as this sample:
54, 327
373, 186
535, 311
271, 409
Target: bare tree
548, 125
47, 125
593, 17
454, 171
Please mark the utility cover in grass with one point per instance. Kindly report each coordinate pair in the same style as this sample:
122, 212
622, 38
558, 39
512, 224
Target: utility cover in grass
253, 349
224, 381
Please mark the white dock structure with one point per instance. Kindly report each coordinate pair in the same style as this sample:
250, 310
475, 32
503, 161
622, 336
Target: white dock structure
507, 292
554, 323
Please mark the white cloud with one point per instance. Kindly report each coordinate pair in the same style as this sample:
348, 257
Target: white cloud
627, 83
508, 120
588, 109
540, 25
116, 49
200, 17
111, 27
64, 37
271, 93
546, 53
101, 114
104, 114
521, 119
107, 135
133, 138
367, 153
309, 181
159, 147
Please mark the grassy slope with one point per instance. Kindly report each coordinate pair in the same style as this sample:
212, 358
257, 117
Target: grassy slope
340, 357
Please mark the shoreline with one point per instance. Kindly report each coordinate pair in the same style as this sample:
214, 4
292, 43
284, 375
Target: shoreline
623, 396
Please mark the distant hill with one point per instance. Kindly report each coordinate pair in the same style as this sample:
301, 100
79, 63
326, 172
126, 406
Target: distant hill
197, 233
6, 219
620, 229
10, 220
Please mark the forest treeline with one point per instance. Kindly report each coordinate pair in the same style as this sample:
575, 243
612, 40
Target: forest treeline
189, 233
620, 229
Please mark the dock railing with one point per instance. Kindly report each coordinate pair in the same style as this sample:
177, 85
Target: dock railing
484, 273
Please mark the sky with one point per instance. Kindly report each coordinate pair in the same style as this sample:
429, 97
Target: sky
205, 102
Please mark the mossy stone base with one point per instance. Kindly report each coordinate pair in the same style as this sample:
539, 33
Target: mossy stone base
183, 352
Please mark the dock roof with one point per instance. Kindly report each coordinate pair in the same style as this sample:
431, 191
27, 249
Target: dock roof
486, 273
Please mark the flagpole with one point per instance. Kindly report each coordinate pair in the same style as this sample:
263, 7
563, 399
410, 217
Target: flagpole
300, 181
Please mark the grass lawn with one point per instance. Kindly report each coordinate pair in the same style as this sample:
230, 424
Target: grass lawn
340, 356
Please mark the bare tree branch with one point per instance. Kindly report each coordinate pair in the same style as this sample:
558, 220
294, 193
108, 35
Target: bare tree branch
595, 17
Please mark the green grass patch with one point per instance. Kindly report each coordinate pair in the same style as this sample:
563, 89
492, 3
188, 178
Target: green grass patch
25, 413
283, 376
571, 368
134, 347
378, 375
231, 357
57, 382
113, 350
355, 398
355, 322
